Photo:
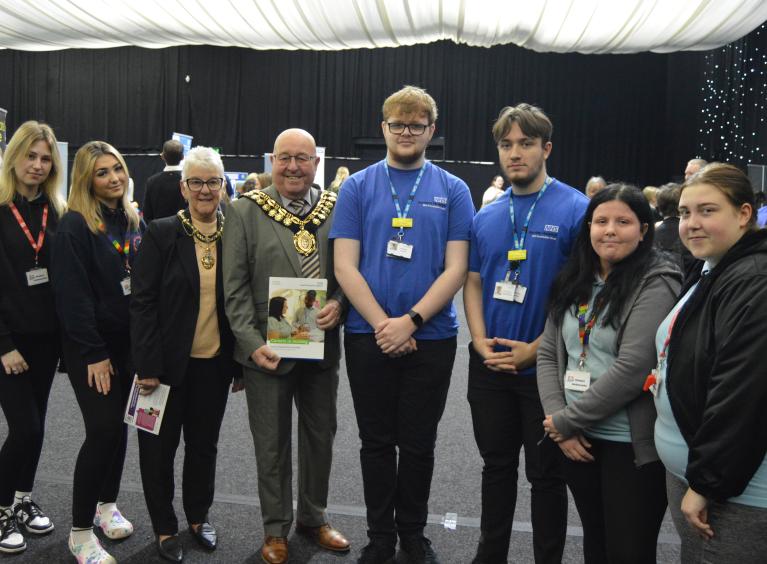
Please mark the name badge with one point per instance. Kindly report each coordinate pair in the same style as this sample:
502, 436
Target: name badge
509, 292
517, 256
37, 276
125, 284
398, 249
401, 222
577, 380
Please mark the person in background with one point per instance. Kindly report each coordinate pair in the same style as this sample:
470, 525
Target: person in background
709, 384
342, 173
761, 209
596, 351
693, 166
667, 230
93, 255
162, 195
493, 191
181, 338
30, 343
250, 183
650, 194
264, 180
594, 185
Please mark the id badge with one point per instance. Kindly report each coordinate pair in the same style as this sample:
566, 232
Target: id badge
577, 380
37, 276
509, 292
125, 284
399, 250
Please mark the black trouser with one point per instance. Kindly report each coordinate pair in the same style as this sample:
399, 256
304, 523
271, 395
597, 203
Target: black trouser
197, 405
398, 403
99, 466
24, 399
507, 414
621, 506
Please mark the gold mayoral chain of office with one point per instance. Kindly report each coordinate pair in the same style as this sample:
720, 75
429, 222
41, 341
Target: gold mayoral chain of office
207, 260
304, 230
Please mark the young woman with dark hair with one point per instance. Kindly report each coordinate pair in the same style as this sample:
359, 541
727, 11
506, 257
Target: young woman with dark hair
596, 351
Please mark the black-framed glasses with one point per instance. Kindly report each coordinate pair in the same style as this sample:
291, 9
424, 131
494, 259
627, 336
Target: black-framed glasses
196, 184
301, 158
399, 128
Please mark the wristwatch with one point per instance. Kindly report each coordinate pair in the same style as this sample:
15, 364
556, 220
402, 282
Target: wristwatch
416, 318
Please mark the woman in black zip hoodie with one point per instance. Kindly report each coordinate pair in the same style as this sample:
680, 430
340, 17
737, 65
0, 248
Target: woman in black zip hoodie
710, 383
95, 246
29, 334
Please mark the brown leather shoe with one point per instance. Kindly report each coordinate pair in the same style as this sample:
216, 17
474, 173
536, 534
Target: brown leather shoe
275, 550
325, 536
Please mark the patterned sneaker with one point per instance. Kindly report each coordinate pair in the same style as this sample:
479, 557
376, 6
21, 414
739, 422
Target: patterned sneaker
31, 518
90, 552
11, 540
112, 523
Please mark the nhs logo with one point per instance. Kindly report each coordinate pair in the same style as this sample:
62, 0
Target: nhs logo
551, 228
441, 200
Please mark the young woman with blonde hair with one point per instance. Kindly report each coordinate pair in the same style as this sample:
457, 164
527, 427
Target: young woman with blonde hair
93, 256
29, 333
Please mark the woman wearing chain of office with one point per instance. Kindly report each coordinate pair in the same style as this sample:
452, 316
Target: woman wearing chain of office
181, 338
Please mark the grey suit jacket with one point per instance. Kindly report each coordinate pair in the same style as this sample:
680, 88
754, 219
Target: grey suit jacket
256, 247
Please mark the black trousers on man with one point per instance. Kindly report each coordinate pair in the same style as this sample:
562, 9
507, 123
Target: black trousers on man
197, 406
399, 403
507, 415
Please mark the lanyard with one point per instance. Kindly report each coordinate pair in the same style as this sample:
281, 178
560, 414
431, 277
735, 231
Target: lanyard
519, 241
584, 330
410, 198
124, 249
662, 354
36, 246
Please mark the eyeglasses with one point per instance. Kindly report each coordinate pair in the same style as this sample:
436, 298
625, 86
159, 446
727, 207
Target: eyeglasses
413, 128
196, 184
301, 158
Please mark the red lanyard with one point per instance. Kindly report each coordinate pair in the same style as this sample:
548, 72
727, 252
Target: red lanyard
662, 355
23, 224
122, 250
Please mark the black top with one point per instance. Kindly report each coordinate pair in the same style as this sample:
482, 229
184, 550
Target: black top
162, 197
24, 309
667, 239
87, 279
165, 305
716, 376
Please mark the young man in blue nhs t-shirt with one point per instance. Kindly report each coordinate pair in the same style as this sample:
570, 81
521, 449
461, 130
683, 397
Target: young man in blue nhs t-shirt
401, 230
518, 244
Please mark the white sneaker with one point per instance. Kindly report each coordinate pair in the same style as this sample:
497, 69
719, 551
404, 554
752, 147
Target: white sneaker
112, 523
11, 540
31, 518
90, 552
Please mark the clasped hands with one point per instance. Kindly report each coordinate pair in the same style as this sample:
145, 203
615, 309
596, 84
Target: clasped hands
519, 355
574, 448
394, 336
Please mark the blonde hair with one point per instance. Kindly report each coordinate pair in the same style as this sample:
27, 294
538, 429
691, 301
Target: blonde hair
342, 173
81, 197
26, 135
410, 100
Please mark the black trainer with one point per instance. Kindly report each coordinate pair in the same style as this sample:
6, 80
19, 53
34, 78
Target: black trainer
418, 550
376, 552
11, 540
31, 518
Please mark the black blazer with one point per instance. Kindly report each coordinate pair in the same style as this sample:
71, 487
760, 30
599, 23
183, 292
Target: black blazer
165, 302
162, 197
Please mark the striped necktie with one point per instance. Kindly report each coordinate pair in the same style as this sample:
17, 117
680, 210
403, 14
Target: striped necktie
310, 265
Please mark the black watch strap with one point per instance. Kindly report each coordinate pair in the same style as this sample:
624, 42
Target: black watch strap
416, 317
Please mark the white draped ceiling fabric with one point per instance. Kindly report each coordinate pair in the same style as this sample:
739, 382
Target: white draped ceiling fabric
584, 26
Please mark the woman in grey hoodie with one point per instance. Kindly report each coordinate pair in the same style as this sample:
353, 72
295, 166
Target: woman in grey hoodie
596, 352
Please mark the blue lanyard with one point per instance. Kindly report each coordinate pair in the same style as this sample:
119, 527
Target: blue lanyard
519, 241
410, 198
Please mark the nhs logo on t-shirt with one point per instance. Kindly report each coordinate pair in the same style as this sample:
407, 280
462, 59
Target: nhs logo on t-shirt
551, 228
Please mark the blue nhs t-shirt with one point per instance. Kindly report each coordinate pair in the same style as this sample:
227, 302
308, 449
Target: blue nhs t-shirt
442, 211
552, 231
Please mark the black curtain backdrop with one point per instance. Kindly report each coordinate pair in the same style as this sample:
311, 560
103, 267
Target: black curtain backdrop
627, 117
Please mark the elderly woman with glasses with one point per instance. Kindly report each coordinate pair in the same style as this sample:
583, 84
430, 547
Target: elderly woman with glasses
182, 339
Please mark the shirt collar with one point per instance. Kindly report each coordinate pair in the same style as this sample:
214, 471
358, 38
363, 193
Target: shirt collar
172, 168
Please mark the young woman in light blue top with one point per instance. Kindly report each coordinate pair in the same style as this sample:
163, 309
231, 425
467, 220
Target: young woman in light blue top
596, 352
709, 385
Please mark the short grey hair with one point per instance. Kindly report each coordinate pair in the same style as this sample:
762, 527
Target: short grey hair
203, 157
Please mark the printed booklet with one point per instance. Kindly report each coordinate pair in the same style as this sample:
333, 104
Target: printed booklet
291, 328
146, 412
